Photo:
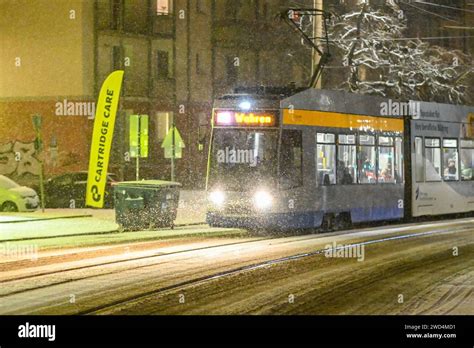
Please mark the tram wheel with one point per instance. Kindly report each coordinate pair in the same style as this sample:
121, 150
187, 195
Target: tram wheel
328, 223
343, 221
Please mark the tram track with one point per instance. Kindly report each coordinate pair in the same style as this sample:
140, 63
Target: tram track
109, 263
394, 229
280, 250
255, 266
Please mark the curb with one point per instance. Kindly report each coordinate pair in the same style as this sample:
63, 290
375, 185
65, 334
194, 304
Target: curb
46, 218
111, 232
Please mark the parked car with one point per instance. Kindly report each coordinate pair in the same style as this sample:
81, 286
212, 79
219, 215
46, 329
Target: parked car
69, 190
14, 197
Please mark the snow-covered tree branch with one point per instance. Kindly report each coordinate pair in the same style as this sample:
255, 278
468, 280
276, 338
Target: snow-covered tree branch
370, 43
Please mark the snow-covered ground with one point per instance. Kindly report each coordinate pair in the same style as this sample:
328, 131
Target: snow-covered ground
62, 222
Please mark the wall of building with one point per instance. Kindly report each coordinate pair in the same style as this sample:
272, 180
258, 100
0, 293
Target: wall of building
66, 60
46, 55
45, 61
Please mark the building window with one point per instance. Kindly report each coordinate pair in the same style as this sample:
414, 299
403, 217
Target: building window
198, 64
467, 159
163, 7
265, 10
163, 124
232, 8
162, 64
116, 14
200, 7
325, 159
116, 58
231, 70
291, 159
432, 159
450, 160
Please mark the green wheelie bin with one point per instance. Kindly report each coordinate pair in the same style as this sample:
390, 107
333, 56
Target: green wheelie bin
145, 204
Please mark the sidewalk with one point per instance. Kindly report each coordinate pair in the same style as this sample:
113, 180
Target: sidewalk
80, 228
191, 210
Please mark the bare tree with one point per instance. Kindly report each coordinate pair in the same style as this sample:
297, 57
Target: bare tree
371, 55
369, 45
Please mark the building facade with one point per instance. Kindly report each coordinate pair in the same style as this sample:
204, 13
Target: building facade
177, 56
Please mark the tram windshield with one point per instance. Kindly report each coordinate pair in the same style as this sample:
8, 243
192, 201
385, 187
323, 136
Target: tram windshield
242, 159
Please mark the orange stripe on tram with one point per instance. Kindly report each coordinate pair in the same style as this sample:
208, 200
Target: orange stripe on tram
338, 120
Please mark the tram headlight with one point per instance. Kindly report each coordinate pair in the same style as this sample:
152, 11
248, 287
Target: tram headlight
262, 200
217, 198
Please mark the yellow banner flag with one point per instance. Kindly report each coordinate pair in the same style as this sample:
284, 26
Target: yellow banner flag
102, 139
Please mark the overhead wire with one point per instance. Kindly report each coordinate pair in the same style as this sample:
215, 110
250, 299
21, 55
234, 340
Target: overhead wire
444, 6
431, 13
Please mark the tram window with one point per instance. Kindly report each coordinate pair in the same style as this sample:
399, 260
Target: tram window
291, 159
432, 159
467, 159
325, 138
399, 170
386, 141
467, 144
346, 139
346, 170
367, 173
419, 170
432, 142
366, 139
325, 159
450, 159
386, 164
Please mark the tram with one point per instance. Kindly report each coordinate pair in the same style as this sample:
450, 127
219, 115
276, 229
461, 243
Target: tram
299, 159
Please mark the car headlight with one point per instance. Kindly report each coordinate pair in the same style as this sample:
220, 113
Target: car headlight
217, 197
262, 200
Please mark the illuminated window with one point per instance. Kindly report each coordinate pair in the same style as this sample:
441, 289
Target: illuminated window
419, 168
326, 138
386, 160
346, 160
325, 159
432, 159
367, 157
163, 7
399, 170
450, 160
163, 123
467, 159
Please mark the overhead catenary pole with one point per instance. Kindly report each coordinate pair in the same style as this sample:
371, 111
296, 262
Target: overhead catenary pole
317, 34
322, 53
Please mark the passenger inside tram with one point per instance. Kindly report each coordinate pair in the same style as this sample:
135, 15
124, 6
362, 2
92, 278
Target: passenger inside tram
368, 171
451, 170
386, 173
